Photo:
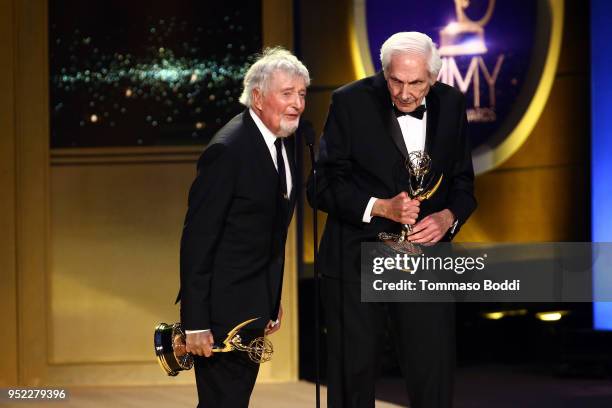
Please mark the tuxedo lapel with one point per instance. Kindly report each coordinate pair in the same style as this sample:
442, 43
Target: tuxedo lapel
433, 115
260, 147
431, 134
396, 133
387, 115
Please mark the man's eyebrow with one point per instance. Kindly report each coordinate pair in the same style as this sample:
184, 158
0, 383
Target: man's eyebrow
414, 81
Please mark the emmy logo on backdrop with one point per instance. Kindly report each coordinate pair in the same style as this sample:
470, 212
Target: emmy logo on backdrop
466, 37
172, 355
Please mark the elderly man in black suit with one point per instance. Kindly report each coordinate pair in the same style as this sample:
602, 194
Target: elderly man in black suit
233, 243
371, 127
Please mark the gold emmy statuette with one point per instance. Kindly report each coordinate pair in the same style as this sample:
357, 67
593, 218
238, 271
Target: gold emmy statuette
420, 187
465, 36
172, 355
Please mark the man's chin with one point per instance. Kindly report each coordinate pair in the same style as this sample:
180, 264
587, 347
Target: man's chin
288, 128
409, 107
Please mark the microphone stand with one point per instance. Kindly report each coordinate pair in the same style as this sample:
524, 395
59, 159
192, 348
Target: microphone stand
309, 139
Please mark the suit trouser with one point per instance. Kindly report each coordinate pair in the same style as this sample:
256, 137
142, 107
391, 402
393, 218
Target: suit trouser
225, 380
424, 337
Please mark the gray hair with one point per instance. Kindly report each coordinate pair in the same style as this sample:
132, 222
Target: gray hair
411, 42
271, 60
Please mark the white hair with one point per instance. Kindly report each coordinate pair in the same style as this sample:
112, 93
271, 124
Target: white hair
411, 42
271, 60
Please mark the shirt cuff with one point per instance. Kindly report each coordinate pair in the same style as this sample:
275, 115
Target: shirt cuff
454, 224
196, 331
367, 214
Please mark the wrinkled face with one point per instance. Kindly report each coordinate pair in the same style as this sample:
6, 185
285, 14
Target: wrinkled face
408, 80
281, 104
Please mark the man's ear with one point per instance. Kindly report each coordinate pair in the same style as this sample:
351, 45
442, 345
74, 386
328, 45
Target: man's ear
257, 97
432, 79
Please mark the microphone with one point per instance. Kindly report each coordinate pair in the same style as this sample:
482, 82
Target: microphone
308, 133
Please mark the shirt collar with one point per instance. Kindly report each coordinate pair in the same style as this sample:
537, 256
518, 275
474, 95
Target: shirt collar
268, 136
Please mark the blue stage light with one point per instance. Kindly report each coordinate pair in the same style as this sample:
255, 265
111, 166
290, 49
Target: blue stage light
601, 144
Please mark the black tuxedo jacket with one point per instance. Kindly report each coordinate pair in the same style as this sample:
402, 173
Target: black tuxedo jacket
233, 242
362, 155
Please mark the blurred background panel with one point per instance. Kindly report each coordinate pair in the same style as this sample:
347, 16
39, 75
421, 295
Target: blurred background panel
142, 74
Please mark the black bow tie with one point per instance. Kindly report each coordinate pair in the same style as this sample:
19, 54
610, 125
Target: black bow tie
417, 113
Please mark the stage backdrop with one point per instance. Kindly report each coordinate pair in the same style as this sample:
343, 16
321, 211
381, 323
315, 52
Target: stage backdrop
541, 192
89, 236
502, 54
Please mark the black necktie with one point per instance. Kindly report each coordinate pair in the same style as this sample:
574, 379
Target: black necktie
417, 113
280, 163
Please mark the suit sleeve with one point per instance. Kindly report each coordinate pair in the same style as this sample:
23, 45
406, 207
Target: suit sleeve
209, 200
461, 199
337, 193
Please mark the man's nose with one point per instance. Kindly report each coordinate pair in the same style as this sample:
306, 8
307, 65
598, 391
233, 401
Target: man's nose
405, 92
298, 102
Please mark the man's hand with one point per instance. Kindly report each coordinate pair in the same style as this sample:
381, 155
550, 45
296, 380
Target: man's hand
200, 344
273, 327
432, 228
399, 209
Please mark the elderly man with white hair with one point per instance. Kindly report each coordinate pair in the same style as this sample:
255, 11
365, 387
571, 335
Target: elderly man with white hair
233, 242
372, 126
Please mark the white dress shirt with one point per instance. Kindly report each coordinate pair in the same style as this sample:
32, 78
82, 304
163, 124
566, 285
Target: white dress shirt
269, 138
